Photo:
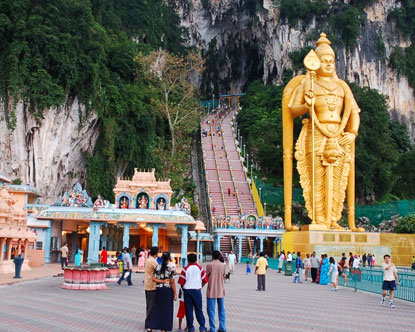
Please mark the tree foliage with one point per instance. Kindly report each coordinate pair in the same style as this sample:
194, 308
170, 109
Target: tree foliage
173, 78
54, 51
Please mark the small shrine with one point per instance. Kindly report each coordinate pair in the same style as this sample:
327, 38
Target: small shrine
76, 197
144, 191
15, 236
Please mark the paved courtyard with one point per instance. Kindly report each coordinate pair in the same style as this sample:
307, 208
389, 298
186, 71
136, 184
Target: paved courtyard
41, 305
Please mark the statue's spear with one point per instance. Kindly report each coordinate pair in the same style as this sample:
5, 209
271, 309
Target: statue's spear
312, 63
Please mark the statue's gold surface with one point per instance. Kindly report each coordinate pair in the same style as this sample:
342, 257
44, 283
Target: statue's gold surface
325, 148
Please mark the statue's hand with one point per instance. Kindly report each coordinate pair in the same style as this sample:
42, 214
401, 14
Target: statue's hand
347, 139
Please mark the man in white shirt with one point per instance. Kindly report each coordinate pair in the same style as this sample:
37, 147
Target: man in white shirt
64, 254
281, 261
231, 260
390, 280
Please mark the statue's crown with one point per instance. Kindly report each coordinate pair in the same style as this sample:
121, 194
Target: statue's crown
323, 46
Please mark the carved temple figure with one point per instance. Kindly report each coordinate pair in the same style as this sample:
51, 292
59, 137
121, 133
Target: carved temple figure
124, 203
325, 149
143, 202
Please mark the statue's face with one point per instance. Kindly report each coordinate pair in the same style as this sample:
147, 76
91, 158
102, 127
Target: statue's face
327, 65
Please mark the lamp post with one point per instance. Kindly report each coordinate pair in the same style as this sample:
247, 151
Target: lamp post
244, 150
265, 209
200, 227
260, 194
247, 160
252, 165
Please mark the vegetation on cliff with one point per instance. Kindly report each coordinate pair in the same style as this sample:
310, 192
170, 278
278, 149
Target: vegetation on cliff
54, 51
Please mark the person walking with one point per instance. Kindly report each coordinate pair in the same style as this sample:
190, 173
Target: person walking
298, 268
390, 280
134, 255
141, 259
231, 261
104, 256
215, 292
314, 266
64, 254
192, 279
334, 273
260, 270
351, 259
307, 266
150, 285
281, 261
364, 258
342, 266
162, 315
127, 267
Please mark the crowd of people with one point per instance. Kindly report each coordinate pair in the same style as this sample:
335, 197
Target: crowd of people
325, 268
161, 291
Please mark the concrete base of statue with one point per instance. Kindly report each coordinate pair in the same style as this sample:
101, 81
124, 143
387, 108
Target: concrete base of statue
401, 247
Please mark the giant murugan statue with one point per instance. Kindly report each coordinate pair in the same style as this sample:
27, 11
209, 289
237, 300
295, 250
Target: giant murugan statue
325, 148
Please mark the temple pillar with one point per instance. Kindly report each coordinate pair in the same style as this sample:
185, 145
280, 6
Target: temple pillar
126, 236
74, 245
19, 247
110, 238
184, 230
9, 249
104, 237
2, 243
217, 241
240, 238
46, 244
155, 238
275, 242
25, 243
120, 235
201, 251
93, 242
261, 242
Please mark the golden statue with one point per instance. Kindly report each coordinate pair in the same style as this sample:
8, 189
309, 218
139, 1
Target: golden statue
325, 148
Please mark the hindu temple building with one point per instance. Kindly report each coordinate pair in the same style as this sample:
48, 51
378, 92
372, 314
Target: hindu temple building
142, 216
15, 236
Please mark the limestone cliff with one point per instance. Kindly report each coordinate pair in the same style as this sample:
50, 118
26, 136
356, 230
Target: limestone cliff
250, 41
48, 153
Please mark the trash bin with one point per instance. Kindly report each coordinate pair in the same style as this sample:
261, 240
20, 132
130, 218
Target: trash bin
289, 268
18, 262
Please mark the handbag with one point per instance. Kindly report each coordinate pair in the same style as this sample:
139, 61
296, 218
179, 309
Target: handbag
127, 274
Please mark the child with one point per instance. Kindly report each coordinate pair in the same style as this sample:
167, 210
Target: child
248, 267
390, 280
181, 313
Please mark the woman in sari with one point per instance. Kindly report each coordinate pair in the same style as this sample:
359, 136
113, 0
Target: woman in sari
141, 259
319, 270
324, 275
162, 315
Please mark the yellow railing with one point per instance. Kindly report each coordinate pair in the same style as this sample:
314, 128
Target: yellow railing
257, 199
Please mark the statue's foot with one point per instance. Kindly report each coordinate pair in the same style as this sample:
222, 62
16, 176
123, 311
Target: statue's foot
292, 229
358, 229
336, 226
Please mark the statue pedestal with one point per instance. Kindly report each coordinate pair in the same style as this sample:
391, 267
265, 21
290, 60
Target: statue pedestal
401, 247
313, 227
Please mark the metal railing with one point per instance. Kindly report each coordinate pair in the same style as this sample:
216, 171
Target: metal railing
370, 280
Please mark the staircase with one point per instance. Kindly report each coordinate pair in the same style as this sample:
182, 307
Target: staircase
225, 244
228, 188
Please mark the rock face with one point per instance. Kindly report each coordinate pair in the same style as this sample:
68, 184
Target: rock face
48, 153
249, 40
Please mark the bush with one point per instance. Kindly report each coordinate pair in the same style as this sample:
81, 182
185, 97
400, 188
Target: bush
406, 225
